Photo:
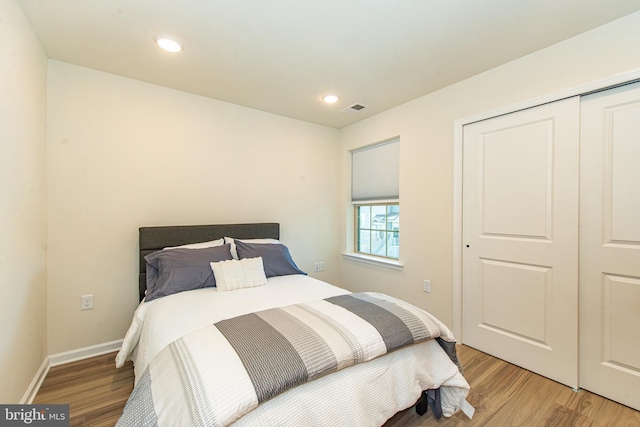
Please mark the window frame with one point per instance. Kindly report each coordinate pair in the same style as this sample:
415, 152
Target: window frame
384, 173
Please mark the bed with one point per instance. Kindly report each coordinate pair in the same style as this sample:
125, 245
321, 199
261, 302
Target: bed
245, 351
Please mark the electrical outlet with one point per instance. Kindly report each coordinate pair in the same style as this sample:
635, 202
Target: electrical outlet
426, 285
86, 302
316, 266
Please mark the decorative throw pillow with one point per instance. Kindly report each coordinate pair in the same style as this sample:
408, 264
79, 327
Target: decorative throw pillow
239, 274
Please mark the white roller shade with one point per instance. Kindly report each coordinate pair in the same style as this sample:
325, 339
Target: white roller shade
375, 172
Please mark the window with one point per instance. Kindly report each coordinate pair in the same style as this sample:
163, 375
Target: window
378, 228
375, 198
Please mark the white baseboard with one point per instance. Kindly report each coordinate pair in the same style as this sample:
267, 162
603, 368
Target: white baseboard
33, 388
85, 353
61, 359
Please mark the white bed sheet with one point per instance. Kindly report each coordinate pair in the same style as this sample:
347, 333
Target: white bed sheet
369, 394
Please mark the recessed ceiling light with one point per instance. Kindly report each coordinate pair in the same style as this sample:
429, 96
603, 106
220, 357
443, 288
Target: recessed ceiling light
168, 43
330, 99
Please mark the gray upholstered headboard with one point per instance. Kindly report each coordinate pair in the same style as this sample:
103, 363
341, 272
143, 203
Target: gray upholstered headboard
156, 238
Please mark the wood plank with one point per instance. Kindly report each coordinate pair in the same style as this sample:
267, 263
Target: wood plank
503, 395
94, 389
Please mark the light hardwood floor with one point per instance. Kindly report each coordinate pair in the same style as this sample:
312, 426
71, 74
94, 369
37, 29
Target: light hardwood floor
94, 389
503, 395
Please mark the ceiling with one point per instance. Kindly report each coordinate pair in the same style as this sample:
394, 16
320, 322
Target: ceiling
281, 56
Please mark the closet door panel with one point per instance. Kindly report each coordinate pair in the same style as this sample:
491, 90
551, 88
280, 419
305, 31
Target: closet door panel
609, 338
520, 235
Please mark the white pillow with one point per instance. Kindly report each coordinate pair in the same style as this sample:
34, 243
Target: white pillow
231, 240
238, 274
202, 245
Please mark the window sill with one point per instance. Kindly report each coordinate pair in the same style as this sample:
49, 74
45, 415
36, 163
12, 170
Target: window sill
368, 259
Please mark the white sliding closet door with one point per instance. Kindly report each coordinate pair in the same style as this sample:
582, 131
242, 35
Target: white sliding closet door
520, 237
610, 245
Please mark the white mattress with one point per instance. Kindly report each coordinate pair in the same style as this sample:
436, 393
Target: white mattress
365, 394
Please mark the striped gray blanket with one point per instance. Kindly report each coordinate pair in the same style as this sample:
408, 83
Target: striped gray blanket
217, 374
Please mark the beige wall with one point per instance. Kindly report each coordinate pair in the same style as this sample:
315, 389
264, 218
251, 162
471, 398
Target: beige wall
425, 126
123, 154
23, 77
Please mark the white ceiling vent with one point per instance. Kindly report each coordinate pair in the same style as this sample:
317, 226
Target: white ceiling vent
355, 108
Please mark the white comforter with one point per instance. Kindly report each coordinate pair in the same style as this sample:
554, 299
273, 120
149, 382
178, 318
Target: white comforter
366, 394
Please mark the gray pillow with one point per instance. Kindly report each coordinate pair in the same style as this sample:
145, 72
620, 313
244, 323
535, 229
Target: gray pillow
176, 270
275, 257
